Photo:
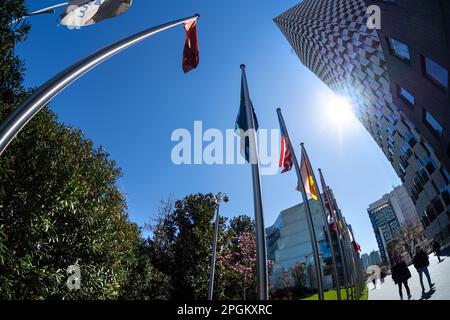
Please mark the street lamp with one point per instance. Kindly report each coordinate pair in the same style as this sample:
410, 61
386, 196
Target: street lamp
15, 122
48, 10
219, 197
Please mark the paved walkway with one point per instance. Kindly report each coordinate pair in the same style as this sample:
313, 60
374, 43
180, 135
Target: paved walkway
440, 275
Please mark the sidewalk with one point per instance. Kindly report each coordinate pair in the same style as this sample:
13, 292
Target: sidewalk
440, 275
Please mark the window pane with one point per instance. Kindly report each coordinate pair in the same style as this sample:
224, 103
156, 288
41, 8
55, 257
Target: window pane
399, 49
436, 72
407, 96
433, 123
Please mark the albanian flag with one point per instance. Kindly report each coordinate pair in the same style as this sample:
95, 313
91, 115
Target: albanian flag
190, 52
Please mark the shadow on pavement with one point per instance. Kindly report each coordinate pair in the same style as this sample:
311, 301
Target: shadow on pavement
445, 252
427, 295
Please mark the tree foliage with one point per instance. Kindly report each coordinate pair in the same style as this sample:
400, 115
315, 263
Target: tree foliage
60, 205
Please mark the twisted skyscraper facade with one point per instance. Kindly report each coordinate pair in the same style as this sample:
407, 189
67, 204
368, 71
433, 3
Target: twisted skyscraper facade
397, 78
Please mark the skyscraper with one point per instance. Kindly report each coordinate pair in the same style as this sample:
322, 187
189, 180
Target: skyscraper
397, 81
395, 222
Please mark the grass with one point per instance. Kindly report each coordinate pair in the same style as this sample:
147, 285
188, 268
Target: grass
332, 295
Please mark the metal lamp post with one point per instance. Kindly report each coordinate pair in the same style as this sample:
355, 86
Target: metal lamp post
15, 122
221, 196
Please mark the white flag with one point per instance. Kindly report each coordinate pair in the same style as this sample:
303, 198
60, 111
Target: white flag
81, 13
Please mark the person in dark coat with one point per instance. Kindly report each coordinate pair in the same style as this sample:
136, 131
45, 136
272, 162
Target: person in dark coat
437, 249
421, 264
400, 275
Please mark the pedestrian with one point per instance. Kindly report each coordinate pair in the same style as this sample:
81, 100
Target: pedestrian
374, 280
400, 275
382, 275
421, 264
437, 249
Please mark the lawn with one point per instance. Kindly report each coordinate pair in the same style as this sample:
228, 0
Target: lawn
332, 295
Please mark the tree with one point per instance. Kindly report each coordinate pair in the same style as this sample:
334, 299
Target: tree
181, 244
240, 259
59, 203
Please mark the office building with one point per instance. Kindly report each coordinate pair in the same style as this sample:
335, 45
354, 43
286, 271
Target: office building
398, 83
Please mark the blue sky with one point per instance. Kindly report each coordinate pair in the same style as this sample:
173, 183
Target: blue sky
132, 103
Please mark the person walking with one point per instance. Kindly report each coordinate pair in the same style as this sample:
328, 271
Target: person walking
421, 264
374, 280
437, 249
400, 275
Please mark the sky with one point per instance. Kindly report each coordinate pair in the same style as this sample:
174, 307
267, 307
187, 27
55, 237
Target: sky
133, 102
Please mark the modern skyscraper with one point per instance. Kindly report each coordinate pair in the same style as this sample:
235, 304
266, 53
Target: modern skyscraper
395, 221
397, 80
365, 261
385, 225
375, 258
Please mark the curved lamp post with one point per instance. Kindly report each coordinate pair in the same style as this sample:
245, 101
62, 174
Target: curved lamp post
221, 196
44, 94
48, 10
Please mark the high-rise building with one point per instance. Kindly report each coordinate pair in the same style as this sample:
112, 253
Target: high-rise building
395, 220
365, 261
385, 225
397, 81
375, 258
289, 243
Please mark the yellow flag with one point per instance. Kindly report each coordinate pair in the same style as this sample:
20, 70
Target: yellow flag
307, 177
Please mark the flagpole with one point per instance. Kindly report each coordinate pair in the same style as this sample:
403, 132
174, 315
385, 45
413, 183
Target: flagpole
261, 253
309, 219
327, 229
219, 198
338, 233
50, 10
345, 252
351, 257
15, 122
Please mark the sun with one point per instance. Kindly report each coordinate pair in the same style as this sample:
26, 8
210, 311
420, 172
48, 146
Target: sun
339, 111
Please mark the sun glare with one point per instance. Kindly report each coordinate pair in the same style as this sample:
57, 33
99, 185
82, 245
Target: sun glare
339, 110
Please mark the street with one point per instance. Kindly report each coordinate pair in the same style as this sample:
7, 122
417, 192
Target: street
439, 275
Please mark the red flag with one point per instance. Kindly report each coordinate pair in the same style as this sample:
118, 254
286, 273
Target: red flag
190, 51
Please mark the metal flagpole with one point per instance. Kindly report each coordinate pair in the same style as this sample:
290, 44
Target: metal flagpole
330, 207
342, 254
50, 9
261, 253
219, 198
44, 94
345, 253
309, 219
327, 229
352, 262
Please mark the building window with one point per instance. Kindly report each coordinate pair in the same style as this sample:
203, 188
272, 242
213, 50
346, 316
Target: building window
435, 72
446, 195
433, 124
399, 49
429, 165
406, 96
